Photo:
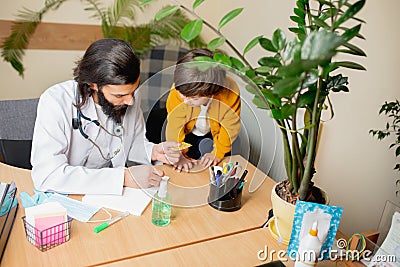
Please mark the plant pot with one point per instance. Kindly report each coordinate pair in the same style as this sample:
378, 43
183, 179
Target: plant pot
283, 216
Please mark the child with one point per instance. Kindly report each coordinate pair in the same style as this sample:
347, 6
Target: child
203, 110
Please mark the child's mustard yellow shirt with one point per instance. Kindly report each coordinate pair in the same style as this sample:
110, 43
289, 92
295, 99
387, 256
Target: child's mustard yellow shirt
223, 114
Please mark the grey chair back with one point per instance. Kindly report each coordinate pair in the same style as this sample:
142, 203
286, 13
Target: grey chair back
156, 79
17, 120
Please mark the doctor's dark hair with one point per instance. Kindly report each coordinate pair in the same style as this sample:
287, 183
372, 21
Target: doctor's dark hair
106, 62
196, 81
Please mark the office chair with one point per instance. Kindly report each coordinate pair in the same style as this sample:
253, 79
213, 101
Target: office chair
17, 122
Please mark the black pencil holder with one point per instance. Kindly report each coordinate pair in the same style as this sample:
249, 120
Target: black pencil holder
226, 197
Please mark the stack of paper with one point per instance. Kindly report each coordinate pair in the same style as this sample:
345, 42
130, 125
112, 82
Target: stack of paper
132, 200
49, 224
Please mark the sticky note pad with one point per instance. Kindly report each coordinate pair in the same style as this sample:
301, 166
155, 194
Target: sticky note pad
49, 222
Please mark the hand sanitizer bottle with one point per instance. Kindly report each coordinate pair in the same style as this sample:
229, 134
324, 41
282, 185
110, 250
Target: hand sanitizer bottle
309, 248
161, 207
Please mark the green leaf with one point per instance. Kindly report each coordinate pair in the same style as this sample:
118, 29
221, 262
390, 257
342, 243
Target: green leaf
312, 77
299, 30
215, 43
145, 3
165, 12
358, 34
301, 5
192, 30
267, 44
251, 44
306, 98
197, 3
298, 66
350, 33
287, 87
272, 98
298, 20
274, 78
259, 80
229, 16
320, 45
356, 50
350, 12
276, 114
250, 73
349, 65
223, 59
203, 59
300, 13
251, 89
278, 39
259, 102
292, 50
202, 63
237, 64
319, 22
269, 61
263, 70
288, 110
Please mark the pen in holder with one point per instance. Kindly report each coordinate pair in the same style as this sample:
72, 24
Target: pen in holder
225, 194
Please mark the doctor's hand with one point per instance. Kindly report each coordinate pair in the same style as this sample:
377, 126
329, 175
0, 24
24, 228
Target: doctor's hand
142, 176
166, 153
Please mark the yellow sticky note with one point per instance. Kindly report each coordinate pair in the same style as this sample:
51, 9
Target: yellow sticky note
181, 147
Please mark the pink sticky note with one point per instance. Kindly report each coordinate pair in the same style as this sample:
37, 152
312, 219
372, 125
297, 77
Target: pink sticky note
52, 229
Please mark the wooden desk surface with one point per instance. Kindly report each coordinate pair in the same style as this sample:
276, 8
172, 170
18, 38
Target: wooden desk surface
235, 250
137, 236
242, 249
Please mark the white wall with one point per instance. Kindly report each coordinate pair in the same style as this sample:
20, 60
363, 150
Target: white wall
354, 168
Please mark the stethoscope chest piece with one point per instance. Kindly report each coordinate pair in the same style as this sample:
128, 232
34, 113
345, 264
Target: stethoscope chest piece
119, 130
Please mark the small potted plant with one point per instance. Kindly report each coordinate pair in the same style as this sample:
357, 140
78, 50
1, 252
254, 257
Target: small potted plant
294, 80
392, 128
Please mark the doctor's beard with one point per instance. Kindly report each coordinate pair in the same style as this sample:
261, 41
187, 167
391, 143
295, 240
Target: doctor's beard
116, 112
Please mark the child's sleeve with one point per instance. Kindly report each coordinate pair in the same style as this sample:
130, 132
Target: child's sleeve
230, 125
176, 119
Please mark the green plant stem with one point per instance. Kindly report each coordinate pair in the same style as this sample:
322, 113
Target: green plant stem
311, 146
287, 155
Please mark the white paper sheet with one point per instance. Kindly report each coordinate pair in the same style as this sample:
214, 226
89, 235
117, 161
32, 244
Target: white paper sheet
132, 200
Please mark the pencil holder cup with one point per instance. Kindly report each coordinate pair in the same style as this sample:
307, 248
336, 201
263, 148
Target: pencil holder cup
227, 197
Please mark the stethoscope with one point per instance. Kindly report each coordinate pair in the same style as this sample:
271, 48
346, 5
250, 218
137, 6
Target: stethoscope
77, 125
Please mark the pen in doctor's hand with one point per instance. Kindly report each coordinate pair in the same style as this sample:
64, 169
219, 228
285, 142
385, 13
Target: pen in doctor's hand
104, 225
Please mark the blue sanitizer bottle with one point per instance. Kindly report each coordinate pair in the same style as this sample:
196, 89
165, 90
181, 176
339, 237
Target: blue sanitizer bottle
161, 206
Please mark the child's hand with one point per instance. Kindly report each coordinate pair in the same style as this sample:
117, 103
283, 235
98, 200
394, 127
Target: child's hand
185, 163
209, 160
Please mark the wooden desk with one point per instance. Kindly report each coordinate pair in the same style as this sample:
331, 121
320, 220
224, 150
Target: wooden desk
137, 236
242, 249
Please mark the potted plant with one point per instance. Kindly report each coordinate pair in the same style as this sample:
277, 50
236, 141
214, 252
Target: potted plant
294, 79
392, 128
117, 21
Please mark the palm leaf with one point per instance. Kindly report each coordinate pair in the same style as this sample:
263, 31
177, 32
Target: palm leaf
21, 31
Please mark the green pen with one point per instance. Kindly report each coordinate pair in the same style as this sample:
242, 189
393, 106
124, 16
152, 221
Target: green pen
104, 225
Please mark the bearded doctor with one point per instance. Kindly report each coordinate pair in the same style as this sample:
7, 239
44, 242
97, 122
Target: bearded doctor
87, 128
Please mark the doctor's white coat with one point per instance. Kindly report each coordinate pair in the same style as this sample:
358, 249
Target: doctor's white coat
59, 152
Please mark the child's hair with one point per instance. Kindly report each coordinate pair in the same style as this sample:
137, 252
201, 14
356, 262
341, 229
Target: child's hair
191, 81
